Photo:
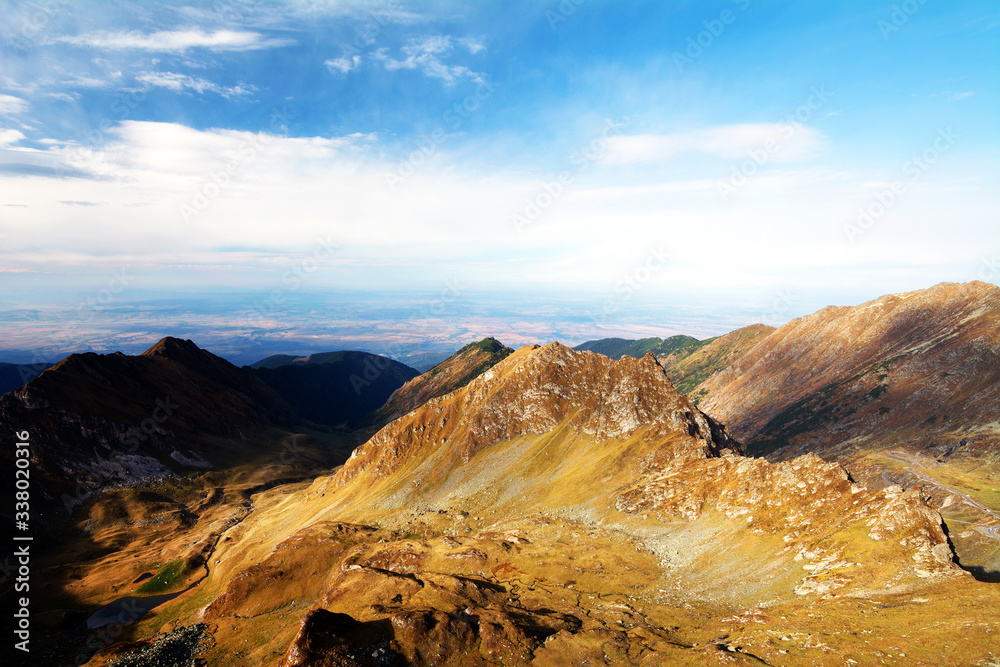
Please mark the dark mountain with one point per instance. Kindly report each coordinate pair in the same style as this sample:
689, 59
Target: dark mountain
688, 371
97, 420
13, 376
333, 387
616, 348
686, 360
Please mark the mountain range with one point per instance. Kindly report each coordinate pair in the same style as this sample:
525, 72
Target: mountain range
823, 493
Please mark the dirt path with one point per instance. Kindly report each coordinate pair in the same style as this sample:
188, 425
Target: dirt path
914, 461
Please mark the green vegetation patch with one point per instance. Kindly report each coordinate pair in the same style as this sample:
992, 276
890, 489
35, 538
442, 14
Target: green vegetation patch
878, 390
168, 577
491, 345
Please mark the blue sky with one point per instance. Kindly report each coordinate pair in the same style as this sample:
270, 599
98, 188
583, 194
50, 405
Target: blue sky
843, 149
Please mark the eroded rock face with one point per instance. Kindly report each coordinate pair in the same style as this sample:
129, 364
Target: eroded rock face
814, 506
533, 392
328, 639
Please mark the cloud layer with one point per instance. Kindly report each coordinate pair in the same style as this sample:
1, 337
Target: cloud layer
176, 41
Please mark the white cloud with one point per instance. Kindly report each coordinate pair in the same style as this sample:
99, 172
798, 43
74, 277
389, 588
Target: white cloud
8, 137
425, 55
342, 65
177, 41
281, 193
179, 82
63, 97
959, 96
782, 142
472, 44
10, 104
79, 81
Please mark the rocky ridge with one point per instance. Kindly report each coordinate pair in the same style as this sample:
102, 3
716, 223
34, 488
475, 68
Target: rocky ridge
924, 366
534, 391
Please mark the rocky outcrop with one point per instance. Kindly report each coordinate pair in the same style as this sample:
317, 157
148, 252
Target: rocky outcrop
533, 392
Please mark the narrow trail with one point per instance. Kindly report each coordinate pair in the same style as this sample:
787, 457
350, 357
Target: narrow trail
914, 461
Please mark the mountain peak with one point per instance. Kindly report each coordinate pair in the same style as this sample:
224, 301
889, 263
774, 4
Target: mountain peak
536, 390
173, 348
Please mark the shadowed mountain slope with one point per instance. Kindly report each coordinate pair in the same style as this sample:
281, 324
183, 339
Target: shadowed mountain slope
101, 419
334, 388
13, 376
922, 366
616, 348
687, 361
688, 371
453, 373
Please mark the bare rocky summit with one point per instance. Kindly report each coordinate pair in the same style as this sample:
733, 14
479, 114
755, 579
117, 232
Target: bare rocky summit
533, 392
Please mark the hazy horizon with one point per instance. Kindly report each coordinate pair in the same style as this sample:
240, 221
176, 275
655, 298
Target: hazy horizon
244, 326
625, 164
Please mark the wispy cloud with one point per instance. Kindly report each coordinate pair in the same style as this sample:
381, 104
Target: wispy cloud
793, 141
78, 81
342, 65
425, 54
959, 96
179, 82
10, 104
472, 44
177, 41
